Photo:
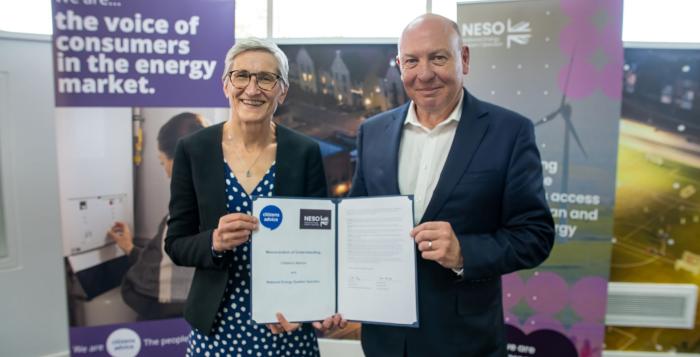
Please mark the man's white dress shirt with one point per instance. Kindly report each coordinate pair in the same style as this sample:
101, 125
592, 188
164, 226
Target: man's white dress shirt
422, 155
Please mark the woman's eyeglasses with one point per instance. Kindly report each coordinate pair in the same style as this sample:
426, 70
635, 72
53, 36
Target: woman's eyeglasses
265, 80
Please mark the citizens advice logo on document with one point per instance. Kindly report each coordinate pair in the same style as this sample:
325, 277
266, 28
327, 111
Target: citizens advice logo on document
314, 219
271, 217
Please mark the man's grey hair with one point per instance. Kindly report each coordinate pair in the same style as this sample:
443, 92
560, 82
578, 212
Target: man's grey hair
258, 44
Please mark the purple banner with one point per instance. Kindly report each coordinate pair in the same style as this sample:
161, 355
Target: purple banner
128, 53
558, 62
148, 338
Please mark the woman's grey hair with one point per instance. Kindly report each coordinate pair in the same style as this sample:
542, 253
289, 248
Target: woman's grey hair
258, 44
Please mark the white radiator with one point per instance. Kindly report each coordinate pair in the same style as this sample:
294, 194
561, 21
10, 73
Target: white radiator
652, 305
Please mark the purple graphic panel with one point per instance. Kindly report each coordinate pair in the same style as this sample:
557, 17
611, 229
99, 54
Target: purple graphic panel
547, 293
147, 338
588, 298
125, 53
592, 40
540, 343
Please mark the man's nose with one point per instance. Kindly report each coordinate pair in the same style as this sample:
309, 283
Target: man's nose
425, 72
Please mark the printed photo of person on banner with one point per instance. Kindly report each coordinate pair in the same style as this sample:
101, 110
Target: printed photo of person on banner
122, 103
154, 287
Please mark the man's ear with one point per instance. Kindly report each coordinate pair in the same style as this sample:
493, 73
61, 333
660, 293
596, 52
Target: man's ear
398, 66
464, 57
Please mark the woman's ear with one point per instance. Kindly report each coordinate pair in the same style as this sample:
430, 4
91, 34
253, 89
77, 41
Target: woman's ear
282, 96
224, 87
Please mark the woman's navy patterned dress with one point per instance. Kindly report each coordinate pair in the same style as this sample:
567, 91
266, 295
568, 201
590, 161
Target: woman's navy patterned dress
234, 334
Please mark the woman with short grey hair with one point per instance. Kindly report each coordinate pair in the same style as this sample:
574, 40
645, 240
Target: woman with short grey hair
257, 44
216, 173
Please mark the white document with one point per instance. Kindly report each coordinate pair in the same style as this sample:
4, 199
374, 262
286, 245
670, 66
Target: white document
309, 262
377, 261
293, 269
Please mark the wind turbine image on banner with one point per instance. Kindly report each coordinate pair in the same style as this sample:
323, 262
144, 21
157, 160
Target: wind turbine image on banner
564, 111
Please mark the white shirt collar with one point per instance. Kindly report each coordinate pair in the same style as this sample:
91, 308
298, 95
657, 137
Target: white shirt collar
412, 117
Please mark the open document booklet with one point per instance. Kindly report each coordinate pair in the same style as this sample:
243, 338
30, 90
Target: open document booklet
312, 258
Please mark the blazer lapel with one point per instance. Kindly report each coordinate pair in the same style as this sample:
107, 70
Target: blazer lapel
472, 127
213, 184
393, 132
286, 165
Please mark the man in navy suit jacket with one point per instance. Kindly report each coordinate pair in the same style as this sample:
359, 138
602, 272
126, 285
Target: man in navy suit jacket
475, 173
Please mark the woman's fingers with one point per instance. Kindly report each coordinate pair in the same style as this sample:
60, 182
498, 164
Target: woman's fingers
282, 327
237, 226
233, 230
235, 235
232, 240
237, 222
275, 328
233, 217
286, 325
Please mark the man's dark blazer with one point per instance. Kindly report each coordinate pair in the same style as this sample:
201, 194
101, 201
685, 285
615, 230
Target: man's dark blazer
490, 191
198, 200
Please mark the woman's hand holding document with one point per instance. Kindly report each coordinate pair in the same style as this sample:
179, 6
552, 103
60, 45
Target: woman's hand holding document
315, 258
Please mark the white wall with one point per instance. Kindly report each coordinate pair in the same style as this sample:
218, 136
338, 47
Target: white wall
33, 298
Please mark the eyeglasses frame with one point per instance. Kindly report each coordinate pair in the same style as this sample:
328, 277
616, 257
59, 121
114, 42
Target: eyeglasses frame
251, 74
